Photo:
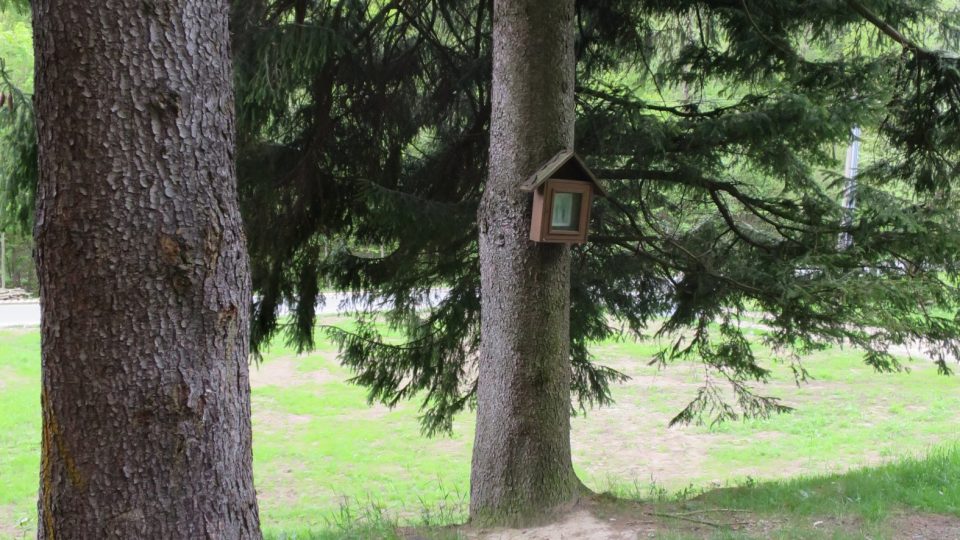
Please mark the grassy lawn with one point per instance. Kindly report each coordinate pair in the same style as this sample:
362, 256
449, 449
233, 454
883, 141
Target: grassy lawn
325, 459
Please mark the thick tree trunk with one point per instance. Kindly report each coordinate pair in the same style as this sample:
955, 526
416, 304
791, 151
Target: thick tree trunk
144, 276
521, 459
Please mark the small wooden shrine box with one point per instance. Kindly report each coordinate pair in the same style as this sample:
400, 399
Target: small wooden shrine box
563, 190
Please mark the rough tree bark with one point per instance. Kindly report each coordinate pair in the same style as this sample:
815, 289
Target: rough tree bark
521, 459
144, 276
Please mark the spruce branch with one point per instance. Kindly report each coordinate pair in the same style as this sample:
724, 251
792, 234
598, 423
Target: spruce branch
887, 28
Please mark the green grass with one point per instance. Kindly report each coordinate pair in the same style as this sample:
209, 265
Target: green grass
19, 428
327, 465
861, 501
929, 483
865, 500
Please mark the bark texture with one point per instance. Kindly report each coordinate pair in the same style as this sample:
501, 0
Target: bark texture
521, 459
145, 285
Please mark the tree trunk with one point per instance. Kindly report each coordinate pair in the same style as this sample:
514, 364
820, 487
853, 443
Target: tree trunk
144, 278
521, 459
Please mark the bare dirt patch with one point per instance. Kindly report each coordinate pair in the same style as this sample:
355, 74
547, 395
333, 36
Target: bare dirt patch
602, 518
920, 526
274, 372
640, 452
9, 379
580, 524
641, 449
277, 421
10, 523
283, 372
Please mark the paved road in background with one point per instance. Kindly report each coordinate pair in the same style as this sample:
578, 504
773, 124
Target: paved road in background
28, 313
19, 314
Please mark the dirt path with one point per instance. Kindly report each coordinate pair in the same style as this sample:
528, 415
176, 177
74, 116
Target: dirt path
600, 519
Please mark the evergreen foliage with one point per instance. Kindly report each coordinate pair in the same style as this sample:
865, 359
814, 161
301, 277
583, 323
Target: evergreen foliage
717, 125
17, 144
18, 155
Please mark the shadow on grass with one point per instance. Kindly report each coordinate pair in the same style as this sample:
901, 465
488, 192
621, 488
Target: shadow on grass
918, 497
926, 484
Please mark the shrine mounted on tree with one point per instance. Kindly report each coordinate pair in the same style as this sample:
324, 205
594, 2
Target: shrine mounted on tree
563, 191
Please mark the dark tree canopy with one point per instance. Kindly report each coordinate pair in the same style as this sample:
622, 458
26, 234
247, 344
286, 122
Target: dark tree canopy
719, 127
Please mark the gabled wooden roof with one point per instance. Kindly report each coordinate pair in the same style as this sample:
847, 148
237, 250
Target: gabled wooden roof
570, 165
